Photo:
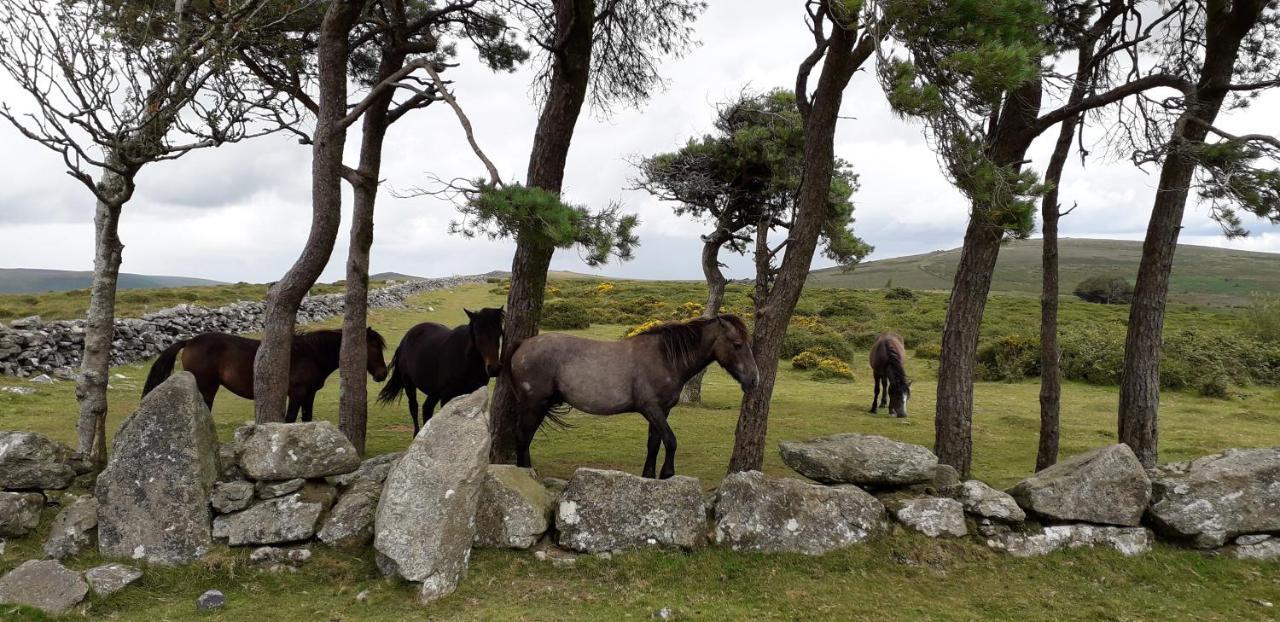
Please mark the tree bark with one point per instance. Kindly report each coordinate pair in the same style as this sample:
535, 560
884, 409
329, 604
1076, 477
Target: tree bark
692, 392
1050, 355
845, 54
353, 358
1008, 143
95, 362
566, 92
1140, 378
271, 366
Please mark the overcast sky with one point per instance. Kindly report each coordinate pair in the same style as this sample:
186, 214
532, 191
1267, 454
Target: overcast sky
241, 212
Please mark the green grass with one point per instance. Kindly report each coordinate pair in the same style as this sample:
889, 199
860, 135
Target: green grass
1201, 275
74, 304
903, 577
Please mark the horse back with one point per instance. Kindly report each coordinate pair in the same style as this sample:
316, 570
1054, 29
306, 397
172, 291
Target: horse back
435, 358
219, 358
886, 343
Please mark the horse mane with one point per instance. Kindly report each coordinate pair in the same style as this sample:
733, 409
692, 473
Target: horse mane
679, 341
896, 370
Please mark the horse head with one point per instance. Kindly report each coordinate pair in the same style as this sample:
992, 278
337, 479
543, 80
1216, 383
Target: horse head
732, 350
486, 336
899, 395
376, 365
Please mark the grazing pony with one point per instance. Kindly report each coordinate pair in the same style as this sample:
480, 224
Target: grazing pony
888, 365
643, 374
445, 362
222, 360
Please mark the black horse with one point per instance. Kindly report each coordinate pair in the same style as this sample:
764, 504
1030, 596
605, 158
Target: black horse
444, 362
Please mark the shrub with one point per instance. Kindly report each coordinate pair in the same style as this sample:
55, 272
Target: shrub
931, 351
1216, 387
899, 293
806, 360
1262, 317
1108, 290
847, 307
1009, 358
1093, 353
606, 288
565, 315
552, 290
832, 369
820, 340
636, 330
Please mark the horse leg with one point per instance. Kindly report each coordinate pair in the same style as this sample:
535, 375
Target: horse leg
525, 429
884, 394
430, 409
411, 395
291, 415
208, 390
651, 459
308, 402
875, 397
658, 419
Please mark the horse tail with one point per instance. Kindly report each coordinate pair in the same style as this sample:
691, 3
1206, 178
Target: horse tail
163, 366
556, 414
394, 387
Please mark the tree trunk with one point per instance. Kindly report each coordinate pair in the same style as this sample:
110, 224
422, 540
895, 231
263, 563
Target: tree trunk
842, 59
1140, 377
567, 90
353, 359
271, 366
1009, 138
1050, 355
692, 392
95, 363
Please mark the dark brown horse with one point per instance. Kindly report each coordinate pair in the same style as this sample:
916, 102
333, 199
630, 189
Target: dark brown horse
444, 362
222, 360
642, 374
888, 366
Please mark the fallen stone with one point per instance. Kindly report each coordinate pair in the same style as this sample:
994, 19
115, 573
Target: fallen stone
283, 451
984, 501
46, 585
229, 462
30, 461
859, 459
19, 512
1212, 499
426, 516
349, 525
1106, 485
273, 521
230, 497
153, 497
108, 579
1128, 541
18, 390
1258, 547
514, 509
757, 513
271, 490
935, 517
274, 559
210, 600
42, 379
603, 510
375, 469
74, 529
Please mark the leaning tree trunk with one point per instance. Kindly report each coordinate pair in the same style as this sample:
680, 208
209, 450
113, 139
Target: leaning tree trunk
271, 365
1140, 377
95, 363
567, 90
353, 358
842, 59
692, 392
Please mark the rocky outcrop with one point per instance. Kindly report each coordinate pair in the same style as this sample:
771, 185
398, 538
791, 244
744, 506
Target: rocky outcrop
1106, 485
153, 497
285, 451
30, 461
863, 460
74, 529
19, 512
1212, 499
604, 510
45, 585
1256, 547
515, 508
757, 513
984, 501
1127, 540
425, 522
275, 559
932, 516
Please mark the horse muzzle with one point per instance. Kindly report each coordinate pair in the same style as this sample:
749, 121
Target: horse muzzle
493, 370
379, 376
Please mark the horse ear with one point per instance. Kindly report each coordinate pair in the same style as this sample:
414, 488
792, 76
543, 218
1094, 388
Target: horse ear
470, 314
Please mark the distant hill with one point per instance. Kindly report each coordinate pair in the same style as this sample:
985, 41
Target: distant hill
554, 275
1201, 274
394, 276
32, 280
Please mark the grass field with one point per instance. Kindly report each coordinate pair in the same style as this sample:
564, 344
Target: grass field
1201, 275
903, 577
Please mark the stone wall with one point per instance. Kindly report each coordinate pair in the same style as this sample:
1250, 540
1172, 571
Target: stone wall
30, 347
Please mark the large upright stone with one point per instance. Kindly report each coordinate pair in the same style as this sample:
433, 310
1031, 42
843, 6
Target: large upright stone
426, 517
859, 459
153, 497
44, 584
1106, 485
757, 513
283, 451
515, 508
1214, 498
30, 461
603, 510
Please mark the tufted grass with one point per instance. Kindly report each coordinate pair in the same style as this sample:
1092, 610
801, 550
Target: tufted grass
904, 577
